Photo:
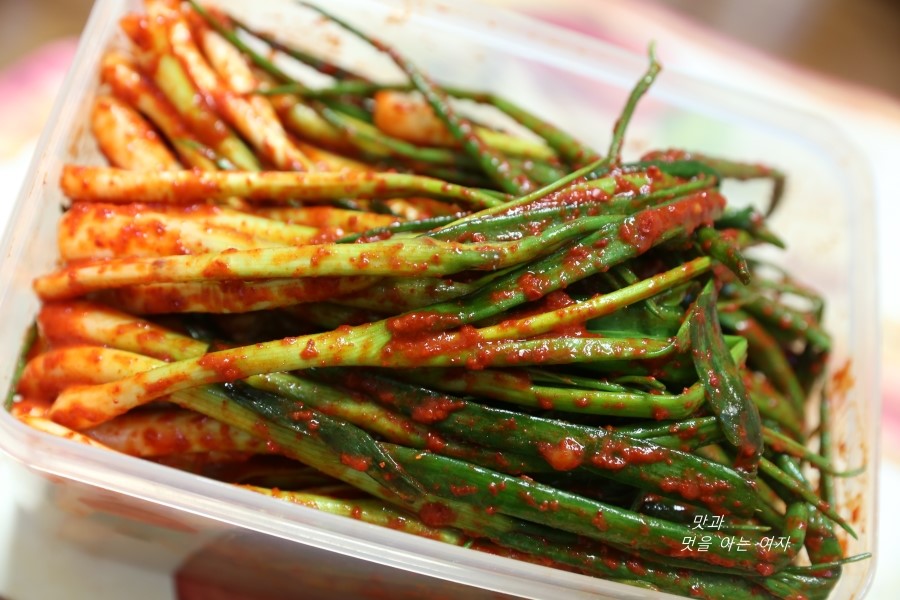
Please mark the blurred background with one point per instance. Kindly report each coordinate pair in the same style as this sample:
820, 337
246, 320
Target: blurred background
856, 40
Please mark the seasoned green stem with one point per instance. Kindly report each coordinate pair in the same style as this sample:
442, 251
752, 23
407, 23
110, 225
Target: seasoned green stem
727, 396
567, 147
714, 243
531, 501
614, 154
101, 184
410, 257
376, 512
494, 164
568, 446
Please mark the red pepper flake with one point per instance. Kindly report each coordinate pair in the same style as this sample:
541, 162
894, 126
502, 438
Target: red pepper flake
577, 256
533, 286
358, 463
223, 366
472, 236
644, 229
617, 454
463, 490
309, 351
611, 563
549, 505
423, 347
375, 237
420, 322
695, 486
660, 413
498, 296
436, 409
624, 186
495, 488
302, 415
599, 521
568, 454
435, 514
636, 567
528, 499
545, 402
434, 442
684, 433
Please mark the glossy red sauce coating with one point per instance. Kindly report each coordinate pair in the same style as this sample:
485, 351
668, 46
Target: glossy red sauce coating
434, 410
375, 237
684, 433
30, 405
549, 506
136, 27
528, 498
434, 442
695, 486
463, 489
470, 237
644, 230
303, 414
616, 454
436, 514
416, 349
636, 567
577, 256
599, 521
415, 323
555, 300
231, 296
565, 455
495, 488
60, 323
75, 413
137, 90
588, 199
225, 366
625, 186
309, 350
355, 462
502, 295
52, 371
660, 413
166, 440
534, 286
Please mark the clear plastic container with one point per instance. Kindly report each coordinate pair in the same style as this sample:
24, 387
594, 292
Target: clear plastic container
169, 521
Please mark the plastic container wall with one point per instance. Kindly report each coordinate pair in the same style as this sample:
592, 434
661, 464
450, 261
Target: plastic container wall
578, 83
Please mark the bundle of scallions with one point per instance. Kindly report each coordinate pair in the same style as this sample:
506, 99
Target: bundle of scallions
359, 298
